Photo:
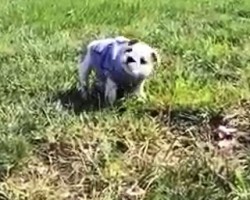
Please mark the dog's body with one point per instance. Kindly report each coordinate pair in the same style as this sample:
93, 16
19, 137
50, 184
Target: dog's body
119, 63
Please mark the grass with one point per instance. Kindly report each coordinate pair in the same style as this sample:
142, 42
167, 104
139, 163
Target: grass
164, 147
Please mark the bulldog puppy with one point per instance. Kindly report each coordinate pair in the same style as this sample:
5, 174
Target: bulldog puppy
119, 63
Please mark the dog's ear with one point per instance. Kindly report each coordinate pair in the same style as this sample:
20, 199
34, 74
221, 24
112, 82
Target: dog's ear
155, 57
132, 42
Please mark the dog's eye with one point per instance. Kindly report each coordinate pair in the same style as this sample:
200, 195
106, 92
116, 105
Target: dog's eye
143, 61
128, 50
130, 59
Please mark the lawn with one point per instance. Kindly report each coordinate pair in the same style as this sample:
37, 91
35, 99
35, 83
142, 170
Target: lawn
54, 146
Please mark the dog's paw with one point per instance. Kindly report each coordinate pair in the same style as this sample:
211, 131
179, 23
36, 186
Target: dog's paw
110, 98
84, 93
142, 99
139, 96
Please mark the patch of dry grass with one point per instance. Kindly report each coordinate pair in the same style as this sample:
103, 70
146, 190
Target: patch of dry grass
97, 166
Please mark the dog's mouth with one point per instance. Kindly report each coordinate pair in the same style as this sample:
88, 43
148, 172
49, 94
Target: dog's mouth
135, 73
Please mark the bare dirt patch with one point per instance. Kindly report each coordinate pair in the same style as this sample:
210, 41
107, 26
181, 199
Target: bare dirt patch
203, 125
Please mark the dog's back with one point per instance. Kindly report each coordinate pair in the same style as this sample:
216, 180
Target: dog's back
105, 55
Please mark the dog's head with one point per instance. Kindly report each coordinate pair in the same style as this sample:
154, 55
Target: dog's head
139, 59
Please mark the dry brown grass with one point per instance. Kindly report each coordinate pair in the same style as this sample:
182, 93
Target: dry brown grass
95, 167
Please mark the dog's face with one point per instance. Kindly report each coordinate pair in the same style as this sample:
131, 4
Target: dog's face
139, 59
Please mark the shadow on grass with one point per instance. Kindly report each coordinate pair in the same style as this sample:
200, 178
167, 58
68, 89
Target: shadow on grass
185, 120
71, 100
194, 116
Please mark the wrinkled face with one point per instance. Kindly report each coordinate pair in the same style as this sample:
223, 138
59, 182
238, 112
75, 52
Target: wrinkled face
139, 59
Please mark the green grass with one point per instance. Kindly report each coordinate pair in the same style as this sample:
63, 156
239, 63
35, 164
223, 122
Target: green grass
49, 152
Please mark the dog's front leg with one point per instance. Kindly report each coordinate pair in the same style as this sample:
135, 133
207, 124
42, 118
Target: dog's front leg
139, 91
110, 91
84, 71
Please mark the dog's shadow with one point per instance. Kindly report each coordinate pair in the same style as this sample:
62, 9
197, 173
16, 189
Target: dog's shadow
71, 99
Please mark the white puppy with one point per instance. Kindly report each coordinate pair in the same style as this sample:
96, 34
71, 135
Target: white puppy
119, 63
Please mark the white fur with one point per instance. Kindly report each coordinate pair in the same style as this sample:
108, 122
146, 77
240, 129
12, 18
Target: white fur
139, 50
110, 91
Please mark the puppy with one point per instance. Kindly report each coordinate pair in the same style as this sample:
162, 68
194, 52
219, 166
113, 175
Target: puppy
119, 63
